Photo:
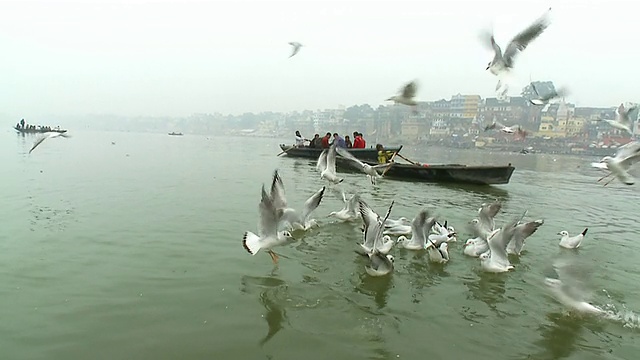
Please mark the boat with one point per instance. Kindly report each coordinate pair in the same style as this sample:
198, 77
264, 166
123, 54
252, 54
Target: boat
370, 154
37, 131
175, 134
440, 173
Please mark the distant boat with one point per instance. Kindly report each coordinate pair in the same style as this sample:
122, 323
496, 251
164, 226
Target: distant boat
37, 131
175, 134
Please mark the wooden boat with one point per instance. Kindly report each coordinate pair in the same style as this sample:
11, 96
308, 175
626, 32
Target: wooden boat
175, 134
37, 131
370, 154
441, 173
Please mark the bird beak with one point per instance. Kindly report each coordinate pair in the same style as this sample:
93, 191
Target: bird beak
558, 234
488, 66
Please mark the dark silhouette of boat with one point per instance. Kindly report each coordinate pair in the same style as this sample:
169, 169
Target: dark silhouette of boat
441, 173
38, 130
175, 134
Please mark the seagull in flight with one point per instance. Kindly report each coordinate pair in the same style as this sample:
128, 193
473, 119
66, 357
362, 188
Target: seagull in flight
370, 171
502, 63
406, 95
507, 129
45, 136
327, 165
544, 100
296, 48
619, 165
622, 121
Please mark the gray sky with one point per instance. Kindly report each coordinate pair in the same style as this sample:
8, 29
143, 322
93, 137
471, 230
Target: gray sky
177, 57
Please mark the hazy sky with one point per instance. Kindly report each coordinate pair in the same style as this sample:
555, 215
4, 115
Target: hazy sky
179, 57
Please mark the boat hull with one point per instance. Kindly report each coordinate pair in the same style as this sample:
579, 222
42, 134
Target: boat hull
369, 154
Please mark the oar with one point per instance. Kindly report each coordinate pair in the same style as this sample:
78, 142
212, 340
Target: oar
391, 161
286, 150
412, 162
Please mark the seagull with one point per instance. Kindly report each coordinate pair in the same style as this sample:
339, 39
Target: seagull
400, 221
514, 129
627, 155
475, 247
571, 242
438, 254
45, 136
406, 95
419, 228
622, 120
501, 64
327, 165
379, 264
370, 171
373, 238
520, 234
350, 210
268, 235
496, 260
286, 215
569, 290
398, 230
296, 47
544, 100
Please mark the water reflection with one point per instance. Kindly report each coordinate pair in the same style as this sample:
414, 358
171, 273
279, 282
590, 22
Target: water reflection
375, 287
490, 289
273, 297
421, 273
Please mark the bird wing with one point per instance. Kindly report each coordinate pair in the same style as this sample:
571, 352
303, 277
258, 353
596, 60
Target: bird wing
370, 219
487, 213
277, 191
312, 203
347, 155
379, 261
499, 241
523, 231
39, 141
268, 225
628, 150
331, 158
322, 161
522, 40
417, 226
409, 90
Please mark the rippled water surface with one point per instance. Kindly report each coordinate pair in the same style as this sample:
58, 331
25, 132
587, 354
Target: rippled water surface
133, 250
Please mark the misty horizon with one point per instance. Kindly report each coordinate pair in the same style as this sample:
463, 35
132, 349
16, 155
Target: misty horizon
181, 58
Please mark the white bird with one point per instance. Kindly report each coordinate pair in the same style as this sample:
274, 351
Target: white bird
327, 165
419, 228
373, 238
627, 155
543, 100
502, 64
379, 264
406, 95
520, 234
350, 210
475, 247
370, 171
496, 260
571, 242
399, 221
514, 129
622, 120
439, 254
398, 230
268, 235
45, 136
569, 290
287, 215
296, 48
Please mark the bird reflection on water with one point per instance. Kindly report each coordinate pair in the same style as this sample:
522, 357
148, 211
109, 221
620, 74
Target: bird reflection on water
272, 296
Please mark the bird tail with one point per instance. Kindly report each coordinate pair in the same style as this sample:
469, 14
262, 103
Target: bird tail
251, 242
584, 232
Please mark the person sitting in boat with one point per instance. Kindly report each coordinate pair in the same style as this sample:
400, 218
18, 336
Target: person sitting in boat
339, 141
383, 155
358, 141
316, 142
325, 141
348, 142
300, 139
22, 123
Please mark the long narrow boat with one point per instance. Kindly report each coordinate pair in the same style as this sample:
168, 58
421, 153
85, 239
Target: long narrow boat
370, 154
442, 173
38, 131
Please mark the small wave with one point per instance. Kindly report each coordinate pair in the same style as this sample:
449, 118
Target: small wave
628, 318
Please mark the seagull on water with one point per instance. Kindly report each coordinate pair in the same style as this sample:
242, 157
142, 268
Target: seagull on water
520, 234
45, 136
370, 171
439, 254
496, 260
327, 165
406, 95
379, 264
502, 64
296, 47
373, 238
619, 165
268, 235
286, 215
350, 210
419, 229
571, 242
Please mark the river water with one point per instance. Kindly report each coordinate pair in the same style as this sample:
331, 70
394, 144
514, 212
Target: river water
132, 249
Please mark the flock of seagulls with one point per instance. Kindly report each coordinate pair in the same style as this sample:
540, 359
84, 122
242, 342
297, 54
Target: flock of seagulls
494, 246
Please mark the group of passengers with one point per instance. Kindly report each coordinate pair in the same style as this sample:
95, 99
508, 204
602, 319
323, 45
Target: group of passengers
326, 141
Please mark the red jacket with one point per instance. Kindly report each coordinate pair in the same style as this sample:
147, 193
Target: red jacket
358, 143
325, 142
